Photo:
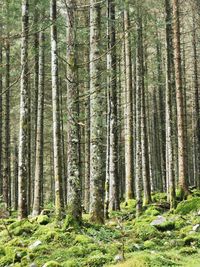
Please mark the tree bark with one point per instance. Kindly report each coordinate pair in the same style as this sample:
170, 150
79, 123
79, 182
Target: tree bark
74, 180
24, 116
179, 98
96, 123
56, 112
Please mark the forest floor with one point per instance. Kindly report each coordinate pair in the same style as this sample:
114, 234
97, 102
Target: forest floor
158, 238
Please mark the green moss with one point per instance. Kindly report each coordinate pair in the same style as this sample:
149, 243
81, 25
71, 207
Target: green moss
188, 206
152, 211
71, 263
97, 260
191, 239
52, 264
166, 226
159, 197
149, 244
2, 251
43, 219
144, 231
188, 251
22, 228
129, 205
83, 239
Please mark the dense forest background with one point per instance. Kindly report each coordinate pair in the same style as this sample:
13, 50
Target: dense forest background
99, 105
122, 81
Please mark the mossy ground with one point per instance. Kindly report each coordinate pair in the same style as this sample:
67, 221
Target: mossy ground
173, 244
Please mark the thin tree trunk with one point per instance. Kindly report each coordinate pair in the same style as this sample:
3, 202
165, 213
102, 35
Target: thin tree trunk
37, 202
112, 110
179, 98
56, 112
129, 112
74, 179
96, 120
169, 143
24, 116
1, 112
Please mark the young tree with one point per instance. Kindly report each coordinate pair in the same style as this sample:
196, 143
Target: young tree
24, 116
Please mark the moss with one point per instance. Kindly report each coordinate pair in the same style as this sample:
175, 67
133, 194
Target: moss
2, 251
189, 240
52, 264
43, 219
77, 251
71, 263
148, 244
159, 197
22, 228
97, 260
152, 211
144, 231
70, 224
83, 239
188, 251
166, 226
129, 205
188, 206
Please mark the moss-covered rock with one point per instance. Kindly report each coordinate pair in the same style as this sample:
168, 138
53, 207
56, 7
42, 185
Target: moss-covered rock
97, 260
43, 219
144, 231
166, 226
187, 206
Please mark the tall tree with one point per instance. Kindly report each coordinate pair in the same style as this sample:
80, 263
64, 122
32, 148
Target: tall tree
56, 111
139, 84
37, 202
179, 99
128, 109
112, 109
74, 180
96, 123
169, 141
1, 110
24, 115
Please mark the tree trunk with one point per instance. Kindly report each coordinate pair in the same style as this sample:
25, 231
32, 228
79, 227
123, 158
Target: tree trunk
74, 180
24, 116
96, 123
179, 98
129, 112
56, 112
37, 202
112, 109
169, 143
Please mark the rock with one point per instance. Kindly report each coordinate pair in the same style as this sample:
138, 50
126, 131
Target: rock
118, 258
45, 212
33, 264
198, 213
196, 228
35, 244
158, 221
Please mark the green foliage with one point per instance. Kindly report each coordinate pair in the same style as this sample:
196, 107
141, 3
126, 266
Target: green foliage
159, 197
52, 264
166, 226
43, 219
152, 211
144, 231
188, 250
149, 244
188, 206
